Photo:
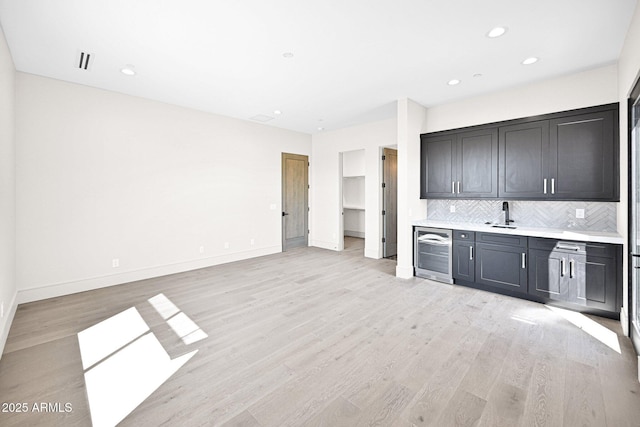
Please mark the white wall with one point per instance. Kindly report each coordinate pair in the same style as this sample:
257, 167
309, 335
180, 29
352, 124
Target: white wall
325, 182
7, 190
101, 175
585, 89
411, 123
628, 71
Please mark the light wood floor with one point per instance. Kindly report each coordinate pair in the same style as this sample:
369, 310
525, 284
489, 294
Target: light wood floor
318, 338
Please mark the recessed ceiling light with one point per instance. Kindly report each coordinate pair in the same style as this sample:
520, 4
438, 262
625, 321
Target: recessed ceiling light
530, 61
128, 70
277, 112
320, 128
288, 55
453, 82
496, 32
477, 75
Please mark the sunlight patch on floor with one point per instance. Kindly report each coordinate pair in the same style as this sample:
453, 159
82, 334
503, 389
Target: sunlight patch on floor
124, 362
596, 330
185, 328
118, 385
109, 336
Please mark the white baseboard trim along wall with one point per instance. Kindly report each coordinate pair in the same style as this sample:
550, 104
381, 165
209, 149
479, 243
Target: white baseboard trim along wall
60, 289
6, 321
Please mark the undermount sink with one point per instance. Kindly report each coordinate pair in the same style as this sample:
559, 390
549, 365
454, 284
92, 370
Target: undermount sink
503, 226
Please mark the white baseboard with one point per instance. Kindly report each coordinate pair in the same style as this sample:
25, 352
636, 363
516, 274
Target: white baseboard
624, 321
352, 233
6, 321
67, 288
404, 272
332, 246
372, 253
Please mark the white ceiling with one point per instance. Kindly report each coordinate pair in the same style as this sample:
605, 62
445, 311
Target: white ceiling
352, 58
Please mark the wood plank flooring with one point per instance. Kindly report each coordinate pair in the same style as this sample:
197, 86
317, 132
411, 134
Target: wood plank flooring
312, 337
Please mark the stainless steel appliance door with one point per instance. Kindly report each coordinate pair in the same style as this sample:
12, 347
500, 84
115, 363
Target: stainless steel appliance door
433, 253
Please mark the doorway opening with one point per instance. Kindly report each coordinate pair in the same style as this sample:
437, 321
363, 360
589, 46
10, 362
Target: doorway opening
352, 181
389, 203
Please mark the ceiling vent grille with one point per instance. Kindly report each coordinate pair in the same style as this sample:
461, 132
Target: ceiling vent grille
84, 60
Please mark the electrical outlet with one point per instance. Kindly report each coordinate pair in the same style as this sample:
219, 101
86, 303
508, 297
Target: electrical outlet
253, 242
226, 245
273, 206
579, 213
201, 249
452, 208
115, 263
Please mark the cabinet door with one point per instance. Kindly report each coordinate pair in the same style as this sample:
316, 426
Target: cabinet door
436, 161
599, 283
546, 278
476, 164
582, 160
523, 165
464, 261
501, 266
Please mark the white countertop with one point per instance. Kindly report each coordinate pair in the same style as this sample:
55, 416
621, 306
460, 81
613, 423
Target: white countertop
550, 233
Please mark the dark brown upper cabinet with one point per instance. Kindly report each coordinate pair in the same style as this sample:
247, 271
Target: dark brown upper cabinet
524, 160
582, 164
460, 164
572, 155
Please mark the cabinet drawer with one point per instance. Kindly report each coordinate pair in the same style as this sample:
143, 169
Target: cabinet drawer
502, 239
601, 250
542, 243
465, 236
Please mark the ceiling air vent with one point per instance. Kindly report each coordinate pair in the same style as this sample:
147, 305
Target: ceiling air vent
84, 60
261, 118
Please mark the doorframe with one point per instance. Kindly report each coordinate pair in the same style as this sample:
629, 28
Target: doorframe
340, 245
282, 196
634, 333
382, 199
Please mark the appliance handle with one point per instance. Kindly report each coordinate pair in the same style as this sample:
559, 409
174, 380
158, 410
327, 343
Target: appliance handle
434, 242
568, 248
434, 237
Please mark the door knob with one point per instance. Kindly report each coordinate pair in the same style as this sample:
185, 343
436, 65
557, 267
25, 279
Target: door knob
285, 213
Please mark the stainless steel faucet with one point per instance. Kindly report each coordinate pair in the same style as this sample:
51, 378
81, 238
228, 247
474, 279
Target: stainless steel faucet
505, 208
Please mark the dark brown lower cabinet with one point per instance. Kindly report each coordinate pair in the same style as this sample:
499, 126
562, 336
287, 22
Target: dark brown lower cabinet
464, 256
501, 261
583, 274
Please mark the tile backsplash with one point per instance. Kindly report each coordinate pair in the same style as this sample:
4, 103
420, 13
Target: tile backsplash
598, 216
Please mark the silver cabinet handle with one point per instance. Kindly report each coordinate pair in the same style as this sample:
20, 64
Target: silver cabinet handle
524, 260
563, 269
453, 187
470, 253
458, 187
553, 186
545, 185
568, 248
571, 269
